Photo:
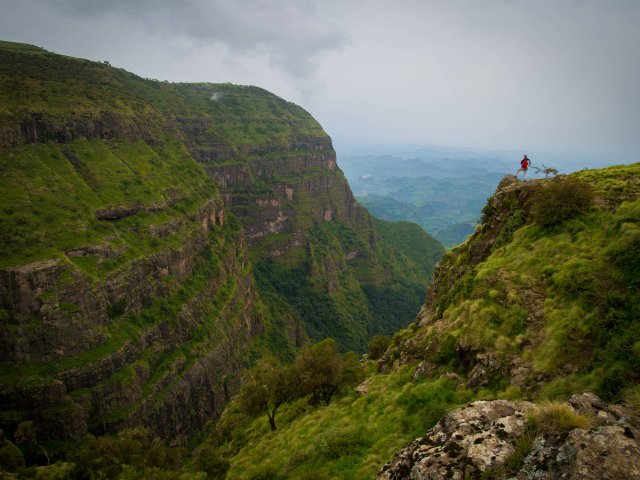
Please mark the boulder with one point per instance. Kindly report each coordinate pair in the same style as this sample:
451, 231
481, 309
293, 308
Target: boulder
494, 439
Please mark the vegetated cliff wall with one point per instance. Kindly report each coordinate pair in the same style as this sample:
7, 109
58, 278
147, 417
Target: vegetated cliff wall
159, 341
539, 309
126, 286
278, 174
126, 294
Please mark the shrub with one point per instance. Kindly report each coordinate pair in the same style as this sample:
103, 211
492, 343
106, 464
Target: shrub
11, 458
556, 417
208, 460
267, 473
516, 220
561, 199
342, 443
377, 346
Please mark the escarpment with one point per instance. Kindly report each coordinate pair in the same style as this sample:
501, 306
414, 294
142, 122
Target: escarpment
156, 236
159, 341
126, 293
279, 176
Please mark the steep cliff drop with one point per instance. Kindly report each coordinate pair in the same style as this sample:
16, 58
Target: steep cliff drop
133, 211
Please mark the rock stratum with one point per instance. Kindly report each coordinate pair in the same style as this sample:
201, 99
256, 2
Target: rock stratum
157, 236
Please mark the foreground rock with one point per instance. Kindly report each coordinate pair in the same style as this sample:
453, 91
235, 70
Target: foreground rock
497, 439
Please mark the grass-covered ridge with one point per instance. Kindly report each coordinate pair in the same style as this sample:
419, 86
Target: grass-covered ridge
349, 439
556, 307
53, 195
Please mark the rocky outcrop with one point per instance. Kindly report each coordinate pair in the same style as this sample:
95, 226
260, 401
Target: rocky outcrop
496, 439
38, 128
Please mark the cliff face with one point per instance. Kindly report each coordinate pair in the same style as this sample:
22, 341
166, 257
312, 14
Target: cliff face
126, 294
278, 174
132, 212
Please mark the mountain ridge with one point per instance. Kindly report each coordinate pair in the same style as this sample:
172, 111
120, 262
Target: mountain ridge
133, 212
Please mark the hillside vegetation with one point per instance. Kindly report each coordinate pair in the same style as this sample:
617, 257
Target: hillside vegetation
542, 306
520, 311
158, 238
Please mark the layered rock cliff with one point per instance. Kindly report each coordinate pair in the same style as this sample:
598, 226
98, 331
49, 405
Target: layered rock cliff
132, 211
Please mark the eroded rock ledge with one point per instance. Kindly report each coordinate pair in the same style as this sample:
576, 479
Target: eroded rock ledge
485, 440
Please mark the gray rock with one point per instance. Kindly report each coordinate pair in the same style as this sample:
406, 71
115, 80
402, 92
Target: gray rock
477, 440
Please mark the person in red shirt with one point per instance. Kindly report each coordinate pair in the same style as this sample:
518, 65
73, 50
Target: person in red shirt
524, 166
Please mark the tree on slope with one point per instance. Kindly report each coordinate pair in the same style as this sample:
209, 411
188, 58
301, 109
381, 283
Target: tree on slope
323, 372
269, 385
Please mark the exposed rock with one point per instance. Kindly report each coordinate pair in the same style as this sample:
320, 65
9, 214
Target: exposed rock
424, 370
122, 211
486, 367
55, 312
37, 127
363, 388
468, 441
477, 440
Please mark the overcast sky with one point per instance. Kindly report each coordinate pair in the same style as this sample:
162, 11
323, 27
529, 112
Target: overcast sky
556, 76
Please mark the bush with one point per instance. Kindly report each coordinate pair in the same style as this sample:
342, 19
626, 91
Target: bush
377, 346
557, 417
207, 459
627, 258
561, 199
267, 473
11, 458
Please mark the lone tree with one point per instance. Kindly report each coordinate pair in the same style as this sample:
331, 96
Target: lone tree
323, 372
269, 384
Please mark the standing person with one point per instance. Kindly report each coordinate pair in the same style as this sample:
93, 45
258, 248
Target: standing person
524, 165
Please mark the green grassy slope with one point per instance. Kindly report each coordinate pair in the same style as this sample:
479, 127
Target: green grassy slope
554, 309
122, 271
150, 282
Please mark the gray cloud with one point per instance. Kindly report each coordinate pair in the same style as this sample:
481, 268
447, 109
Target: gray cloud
561, 75
289, 32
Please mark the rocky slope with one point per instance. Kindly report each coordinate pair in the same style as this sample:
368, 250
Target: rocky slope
539, 309
131, 212
501, 439
526, 308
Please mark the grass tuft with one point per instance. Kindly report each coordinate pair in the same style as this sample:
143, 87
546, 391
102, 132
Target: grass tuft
557, 418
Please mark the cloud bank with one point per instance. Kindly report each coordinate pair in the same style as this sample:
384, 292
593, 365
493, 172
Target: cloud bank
289, 32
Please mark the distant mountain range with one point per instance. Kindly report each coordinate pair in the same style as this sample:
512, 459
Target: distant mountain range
443, 191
